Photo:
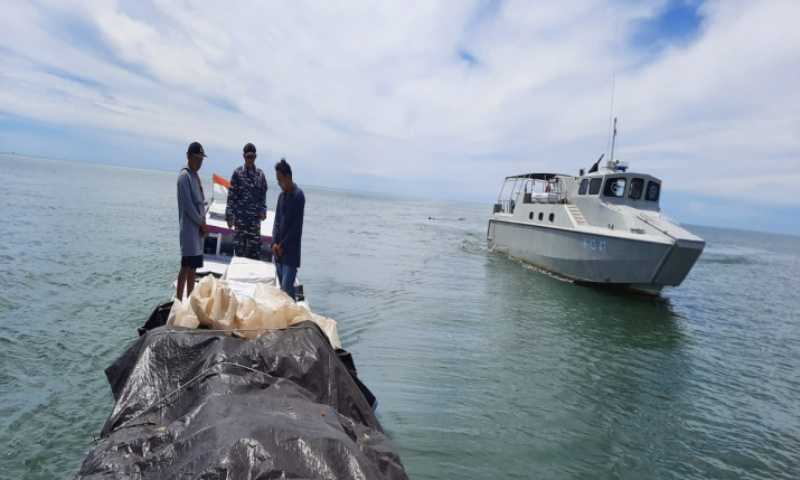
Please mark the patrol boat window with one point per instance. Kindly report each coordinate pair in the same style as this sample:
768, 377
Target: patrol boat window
615, 187
594, 186
584, 186
653, 189
637, 185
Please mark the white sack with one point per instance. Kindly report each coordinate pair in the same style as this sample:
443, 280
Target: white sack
253, 318
282, 306
202, 300
214, 304
223, 307
181, 315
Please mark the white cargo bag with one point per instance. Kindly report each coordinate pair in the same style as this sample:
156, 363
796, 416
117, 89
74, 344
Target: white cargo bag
181, 315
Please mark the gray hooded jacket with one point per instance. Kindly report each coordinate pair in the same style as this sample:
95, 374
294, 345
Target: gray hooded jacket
191, 212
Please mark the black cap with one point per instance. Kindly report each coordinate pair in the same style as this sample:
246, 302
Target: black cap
249, 148
195, 148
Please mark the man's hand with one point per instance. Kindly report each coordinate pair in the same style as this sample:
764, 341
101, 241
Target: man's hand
230, 223
277, 250
263, 216
204, 229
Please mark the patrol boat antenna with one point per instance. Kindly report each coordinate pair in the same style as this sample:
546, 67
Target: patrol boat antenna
613, 140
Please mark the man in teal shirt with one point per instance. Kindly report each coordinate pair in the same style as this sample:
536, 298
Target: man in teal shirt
287, 231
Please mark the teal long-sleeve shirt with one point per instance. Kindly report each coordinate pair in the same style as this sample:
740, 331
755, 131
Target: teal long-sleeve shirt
288, 227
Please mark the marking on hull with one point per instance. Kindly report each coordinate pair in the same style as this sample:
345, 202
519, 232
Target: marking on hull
595, 244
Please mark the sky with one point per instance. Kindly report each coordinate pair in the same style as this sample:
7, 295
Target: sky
431, 99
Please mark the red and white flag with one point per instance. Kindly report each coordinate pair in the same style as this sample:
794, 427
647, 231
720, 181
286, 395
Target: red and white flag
221, 185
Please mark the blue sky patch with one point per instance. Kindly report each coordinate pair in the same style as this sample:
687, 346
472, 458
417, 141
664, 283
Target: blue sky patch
467, 57
678, 22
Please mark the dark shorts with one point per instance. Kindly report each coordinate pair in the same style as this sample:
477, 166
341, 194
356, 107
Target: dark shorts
195, 261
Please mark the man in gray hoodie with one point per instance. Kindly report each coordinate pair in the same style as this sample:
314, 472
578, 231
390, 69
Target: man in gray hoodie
191, 218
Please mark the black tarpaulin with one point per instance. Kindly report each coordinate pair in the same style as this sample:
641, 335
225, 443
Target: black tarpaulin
198, 404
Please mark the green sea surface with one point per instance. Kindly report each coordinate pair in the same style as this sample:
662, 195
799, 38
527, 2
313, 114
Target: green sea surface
483, 367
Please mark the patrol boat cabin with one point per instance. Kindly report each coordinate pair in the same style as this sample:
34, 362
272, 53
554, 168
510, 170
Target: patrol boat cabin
604, 227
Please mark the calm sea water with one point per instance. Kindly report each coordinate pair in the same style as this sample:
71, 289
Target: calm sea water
484, 368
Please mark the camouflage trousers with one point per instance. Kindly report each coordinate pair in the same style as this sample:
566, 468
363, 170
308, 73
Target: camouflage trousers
247, 241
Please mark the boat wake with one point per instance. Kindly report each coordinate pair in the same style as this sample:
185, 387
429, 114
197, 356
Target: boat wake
529, 266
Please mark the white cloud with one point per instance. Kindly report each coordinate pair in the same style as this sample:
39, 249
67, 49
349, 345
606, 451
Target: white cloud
380, 88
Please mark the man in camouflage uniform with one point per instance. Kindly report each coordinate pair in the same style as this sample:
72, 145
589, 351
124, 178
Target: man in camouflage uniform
247, 205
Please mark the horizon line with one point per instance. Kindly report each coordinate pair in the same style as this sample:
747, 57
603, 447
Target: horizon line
366, 191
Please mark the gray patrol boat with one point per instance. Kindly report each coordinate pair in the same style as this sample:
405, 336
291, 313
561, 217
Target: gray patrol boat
603, 227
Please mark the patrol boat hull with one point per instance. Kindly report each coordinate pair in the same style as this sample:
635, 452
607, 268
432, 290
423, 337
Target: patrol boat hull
644, 265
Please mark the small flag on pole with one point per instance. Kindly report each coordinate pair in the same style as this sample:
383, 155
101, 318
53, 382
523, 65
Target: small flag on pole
221, 185
219, 180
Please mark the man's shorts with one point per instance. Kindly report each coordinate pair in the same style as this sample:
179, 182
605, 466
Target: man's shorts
195, 261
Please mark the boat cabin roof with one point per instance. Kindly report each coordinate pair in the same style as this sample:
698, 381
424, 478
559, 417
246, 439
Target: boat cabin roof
537, 176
